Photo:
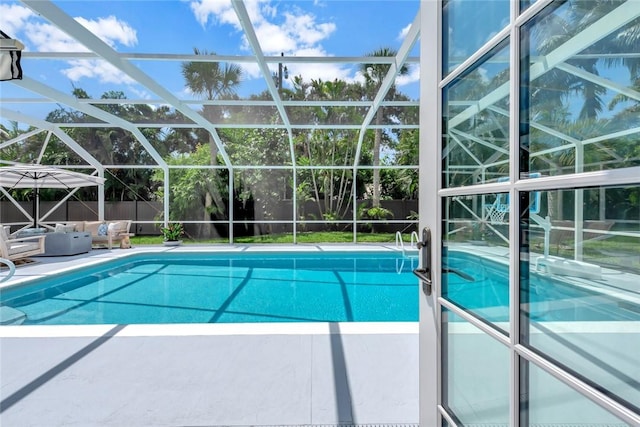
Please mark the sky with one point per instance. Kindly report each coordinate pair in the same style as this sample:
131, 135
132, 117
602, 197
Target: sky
295, 28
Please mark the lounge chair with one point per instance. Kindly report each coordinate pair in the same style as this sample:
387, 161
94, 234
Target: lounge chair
15, 249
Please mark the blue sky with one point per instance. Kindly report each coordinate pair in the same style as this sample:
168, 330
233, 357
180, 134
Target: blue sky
297, 28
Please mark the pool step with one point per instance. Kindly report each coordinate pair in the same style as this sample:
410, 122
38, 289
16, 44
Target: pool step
11, 316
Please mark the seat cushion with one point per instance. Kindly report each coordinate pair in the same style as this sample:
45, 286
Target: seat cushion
19, 248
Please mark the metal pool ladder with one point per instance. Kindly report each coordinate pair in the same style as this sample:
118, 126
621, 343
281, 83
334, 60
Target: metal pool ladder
412, 256
400, 242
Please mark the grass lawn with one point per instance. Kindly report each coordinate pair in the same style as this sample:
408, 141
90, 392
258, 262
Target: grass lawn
315, 237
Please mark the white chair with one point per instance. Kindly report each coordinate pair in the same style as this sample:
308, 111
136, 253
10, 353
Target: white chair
15, 249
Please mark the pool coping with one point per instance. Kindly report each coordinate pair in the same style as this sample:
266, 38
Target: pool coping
209, 329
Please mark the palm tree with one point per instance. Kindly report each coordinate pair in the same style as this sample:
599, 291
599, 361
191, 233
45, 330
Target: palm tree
374, 74
212, 80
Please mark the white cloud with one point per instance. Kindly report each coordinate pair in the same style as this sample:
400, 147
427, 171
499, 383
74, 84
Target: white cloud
294, 32
484, 74
47, 38
12, 18
220, 10
95, 69
273, 40
251, 70
298, 30
111, 30
304, 29
261, 9
412, 77
324, 71
142, 94
404, 32
42, 36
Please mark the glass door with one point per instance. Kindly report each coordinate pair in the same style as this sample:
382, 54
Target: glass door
530, 184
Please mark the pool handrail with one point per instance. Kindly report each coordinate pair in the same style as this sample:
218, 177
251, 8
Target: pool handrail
400, 242
12, 269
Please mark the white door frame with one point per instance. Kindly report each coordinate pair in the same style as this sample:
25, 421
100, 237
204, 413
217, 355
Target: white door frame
430, 215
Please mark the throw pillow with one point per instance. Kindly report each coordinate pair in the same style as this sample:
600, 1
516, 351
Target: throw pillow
62, 228
115, 227
102, 229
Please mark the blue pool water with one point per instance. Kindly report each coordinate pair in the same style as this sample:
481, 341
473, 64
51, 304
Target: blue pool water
224, 288
290, 287
483, 289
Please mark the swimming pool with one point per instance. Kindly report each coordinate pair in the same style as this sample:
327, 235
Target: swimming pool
288, 287
162, 288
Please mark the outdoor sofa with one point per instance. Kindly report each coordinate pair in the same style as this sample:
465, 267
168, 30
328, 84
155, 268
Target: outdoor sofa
104, 232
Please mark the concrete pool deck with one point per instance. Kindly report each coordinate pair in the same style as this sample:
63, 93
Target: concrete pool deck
206, 374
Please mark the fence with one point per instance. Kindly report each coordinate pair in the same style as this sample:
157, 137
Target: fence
146, 216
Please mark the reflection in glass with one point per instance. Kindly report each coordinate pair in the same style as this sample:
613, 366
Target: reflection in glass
606, 232
548, 402
524, 4
475, 258
579, 95
580, 286
467, 25
476, 369
475, 147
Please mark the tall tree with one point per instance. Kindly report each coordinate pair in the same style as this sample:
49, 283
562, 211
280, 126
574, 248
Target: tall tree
374, 74
212, 80
189, 186
331, 188
109, 145
266, 188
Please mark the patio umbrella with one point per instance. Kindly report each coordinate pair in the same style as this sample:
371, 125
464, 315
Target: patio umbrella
41, 176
